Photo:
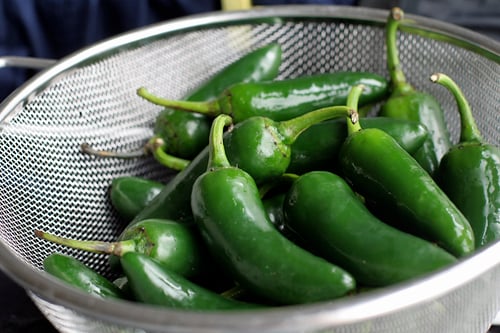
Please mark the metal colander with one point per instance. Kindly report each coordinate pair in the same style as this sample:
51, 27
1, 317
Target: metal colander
47, 183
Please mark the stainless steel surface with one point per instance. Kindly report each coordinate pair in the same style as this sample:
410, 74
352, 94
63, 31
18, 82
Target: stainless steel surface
46, 183
26, 62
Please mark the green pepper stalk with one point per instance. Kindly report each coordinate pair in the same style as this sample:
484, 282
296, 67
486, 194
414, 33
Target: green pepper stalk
156, 146
407, 103
173, 244
470, 171
227, 208
180, 136
345, 232
282, 99
152, 283
389, 178
77, 274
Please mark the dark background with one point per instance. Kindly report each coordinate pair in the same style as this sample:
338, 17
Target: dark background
55, 28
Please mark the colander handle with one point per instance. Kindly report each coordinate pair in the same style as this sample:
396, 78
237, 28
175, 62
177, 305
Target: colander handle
25, 62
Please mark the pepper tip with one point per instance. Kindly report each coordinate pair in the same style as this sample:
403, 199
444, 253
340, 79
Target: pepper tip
397, 13
434, 77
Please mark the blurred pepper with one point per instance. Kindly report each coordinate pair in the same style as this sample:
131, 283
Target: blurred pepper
407, 103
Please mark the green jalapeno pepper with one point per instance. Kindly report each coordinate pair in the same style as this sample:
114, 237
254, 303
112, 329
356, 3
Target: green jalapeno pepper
152, 283
382, 172
79, 275
282, 99
470, 172
346, 233
258, 145
130, 194
175, 245
407, 103
227, 207
180, 136
317, 147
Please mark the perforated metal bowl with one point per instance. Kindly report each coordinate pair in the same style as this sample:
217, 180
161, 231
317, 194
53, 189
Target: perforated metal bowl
46, 183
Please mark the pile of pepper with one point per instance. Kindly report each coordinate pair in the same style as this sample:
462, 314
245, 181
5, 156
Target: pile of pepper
287, 193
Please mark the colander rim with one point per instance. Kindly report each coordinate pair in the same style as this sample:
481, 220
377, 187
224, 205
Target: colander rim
313, 316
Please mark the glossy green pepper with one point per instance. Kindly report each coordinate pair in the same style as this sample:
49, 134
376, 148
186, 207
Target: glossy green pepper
317, 147
407, 103
258, 145
175, 245
152, 283
283, 99
180, 136
130, 194
470, 172
383, 173
346, 233
227, 207
81, 276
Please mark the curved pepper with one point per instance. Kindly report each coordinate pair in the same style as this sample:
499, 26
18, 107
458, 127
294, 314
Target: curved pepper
282, 99
385, 174
407, 103
129, 195
317, 147
344, 232
79, 275
180, 136
227, 207
470, 172
173, 244
152, 283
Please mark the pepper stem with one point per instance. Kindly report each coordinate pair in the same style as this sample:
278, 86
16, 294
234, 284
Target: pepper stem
398, 79
292, 128
89, 150
353, 124
217, 157
469, 130
157, 147
115, 248
209, 108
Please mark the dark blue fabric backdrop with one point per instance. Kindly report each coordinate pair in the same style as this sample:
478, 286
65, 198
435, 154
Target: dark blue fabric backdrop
55, 28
